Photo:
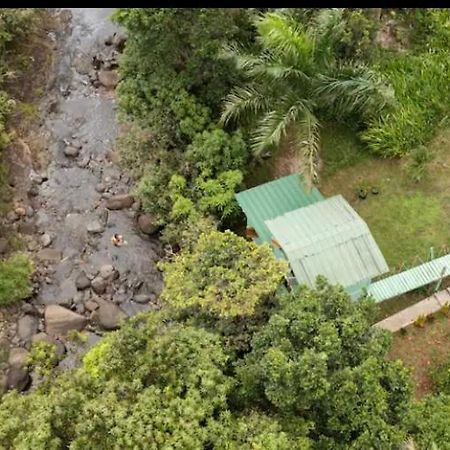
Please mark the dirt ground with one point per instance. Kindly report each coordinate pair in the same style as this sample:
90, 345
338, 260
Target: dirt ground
422, 349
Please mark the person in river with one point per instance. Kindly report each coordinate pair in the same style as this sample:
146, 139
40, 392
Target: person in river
117, 240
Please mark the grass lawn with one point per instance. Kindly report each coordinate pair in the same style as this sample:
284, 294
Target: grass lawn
422, 349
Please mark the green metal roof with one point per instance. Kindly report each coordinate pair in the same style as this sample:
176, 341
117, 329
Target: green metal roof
328, 238
270, 200
411, 279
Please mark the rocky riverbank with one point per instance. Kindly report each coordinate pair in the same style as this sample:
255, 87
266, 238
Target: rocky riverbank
75, 206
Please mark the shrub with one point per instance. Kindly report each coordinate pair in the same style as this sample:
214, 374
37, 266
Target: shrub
15, 283
421, 103
223, 274
216, 151
43, 357
417, 164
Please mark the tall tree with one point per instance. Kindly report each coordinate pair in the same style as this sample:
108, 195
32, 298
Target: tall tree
318, 358
294, 79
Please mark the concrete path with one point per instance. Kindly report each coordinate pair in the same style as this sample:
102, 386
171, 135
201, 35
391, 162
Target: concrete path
407, 316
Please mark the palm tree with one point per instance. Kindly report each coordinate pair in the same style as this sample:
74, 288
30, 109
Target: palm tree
294, 78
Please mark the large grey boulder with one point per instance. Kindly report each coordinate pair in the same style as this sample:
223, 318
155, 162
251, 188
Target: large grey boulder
121, 201
108, 272
49, 255
17, 376
98, 285
146, 224
110, 316
27, 326
82, 281
108, 78
59, 320
18, 357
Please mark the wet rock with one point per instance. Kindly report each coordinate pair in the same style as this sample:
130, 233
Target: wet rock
33, 191
100, 187
18, 357
95, 227
91, 305
44, 337
71, 151
110, 316
27, 228
143, 298
108, 273
26, 327
120, 201
77, 143
46, 240
3, 246
18, 378
118, 41
59, 320
82, 64
103, 216
108, 78
82, 281
67, 292
49, 255
146, 224
99, 285
11, 216
20, 211
35, 177
27, 308
93, 75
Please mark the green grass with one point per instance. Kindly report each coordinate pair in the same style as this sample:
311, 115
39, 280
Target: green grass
340, 148
15, 284
406, 217
405, 225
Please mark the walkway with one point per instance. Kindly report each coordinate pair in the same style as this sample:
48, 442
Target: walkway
400, 283
407, 316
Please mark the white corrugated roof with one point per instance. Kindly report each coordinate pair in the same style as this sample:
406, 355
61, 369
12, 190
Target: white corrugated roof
328, 238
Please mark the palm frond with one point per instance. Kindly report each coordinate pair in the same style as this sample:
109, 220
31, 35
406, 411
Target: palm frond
353, 90
272, 128
286, 37
242, 60
308, 140
327, 27
243, 103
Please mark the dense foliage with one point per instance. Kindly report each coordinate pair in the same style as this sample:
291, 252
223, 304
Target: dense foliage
173, 107
15, 283
224, 274
294, 78
234, 361
315, 376
13, 24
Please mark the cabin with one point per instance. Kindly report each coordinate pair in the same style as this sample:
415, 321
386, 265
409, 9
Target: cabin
316, 235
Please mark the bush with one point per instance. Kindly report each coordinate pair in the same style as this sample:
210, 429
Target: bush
417, 165
216, 151
223, 274
441, 378
15, 282
421, 103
